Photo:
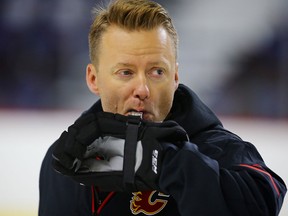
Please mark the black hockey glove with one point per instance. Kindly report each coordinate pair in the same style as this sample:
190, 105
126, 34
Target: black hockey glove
70, 148
115, 152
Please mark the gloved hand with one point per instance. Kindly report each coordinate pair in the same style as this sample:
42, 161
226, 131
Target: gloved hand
72, 145
117, 152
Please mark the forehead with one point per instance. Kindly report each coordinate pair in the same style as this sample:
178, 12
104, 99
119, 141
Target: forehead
137, 40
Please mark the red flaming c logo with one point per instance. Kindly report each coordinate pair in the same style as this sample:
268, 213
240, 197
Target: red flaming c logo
148, 203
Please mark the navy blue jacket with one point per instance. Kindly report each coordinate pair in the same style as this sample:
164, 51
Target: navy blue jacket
216, 173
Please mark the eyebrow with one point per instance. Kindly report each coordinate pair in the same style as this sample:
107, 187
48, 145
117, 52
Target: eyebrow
122, 64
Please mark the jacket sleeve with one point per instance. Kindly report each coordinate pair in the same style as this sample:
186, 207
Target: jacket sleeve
220, 175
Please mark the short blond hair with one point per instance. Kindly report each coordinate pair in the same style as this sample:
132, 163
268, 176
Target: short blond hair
130, 15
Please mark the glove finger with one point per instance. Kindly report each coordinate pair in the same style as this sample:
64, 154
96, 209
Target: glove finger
87, 134
72, 144
167, 130
112, 124
85, 119
61, 154
162, 133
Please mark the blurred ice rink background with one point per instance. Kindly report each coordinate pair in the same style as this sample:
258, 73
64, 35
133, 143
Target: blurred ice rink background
234, 54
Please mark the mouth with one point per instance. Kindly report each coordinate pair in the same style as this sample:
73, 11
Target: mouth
135, 113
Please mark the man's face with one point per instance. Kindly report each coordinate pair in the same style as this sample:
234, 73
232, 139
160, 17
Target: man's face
137, 72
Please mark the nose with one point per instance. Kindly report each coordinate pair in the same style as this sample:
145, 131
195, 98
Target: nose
141, 90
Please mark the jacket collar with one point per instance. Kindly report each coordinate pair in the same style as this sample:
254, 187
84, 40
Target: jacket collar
190, 112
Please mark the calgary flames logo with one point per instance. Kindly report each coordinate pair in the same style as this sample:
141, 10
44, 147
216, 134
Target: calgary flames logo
148, 203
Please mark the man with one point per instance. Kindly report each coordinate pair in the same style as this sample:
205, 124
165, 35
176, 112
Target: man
149, 146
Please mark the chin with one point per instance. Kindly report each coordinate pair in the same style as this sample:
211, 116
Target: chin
148, 117
151, 118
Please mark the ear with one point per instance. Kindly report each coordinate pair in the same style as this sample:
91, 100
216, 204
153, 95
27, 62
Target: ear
176, 76
91, 79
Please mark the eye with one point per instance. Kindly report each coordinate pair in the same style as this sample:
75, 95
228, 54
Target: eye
157, 72
125, 73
